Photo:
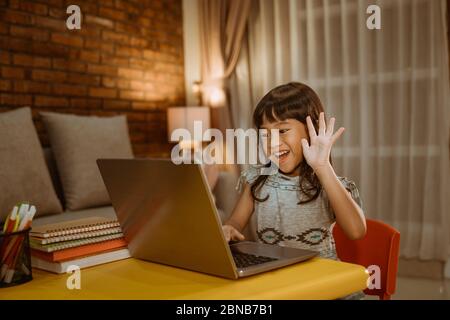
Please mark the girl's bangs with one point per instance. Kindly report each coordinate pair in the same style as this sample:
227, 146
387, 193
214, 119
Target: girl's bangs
279, 111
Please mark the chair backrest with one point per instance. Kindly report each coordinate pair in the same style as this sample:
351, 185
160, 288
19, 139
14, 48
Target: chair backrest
379, 247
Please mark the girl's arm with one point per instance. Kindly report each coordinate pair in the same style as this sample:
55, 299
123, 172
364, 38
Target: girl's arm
239, 218
349, 215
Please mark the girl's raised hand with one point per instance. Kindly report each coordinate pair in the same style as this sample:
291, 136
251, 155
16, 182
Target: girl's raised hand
317, 154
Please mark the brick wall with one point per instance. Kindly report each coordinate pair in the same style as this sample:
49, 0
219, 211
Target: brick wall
126, 59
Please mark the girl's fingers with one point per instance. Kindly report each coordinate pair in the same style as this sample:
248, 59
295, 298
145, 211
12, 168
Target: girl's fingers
311, 130
227, 236
305, 145
330, 127
237, 235
322, 125
337, 135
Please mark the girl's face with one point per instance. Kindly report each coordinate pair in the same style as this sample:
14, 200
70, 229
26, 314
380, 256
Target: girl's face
288, 151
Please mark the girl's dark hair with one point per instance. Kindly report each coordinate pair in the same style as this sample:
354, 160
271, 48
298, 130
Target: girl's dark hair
290, 101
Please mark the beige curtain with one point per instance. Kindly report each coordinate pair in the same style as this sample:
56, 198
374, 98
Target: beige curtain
389, 88
222, 26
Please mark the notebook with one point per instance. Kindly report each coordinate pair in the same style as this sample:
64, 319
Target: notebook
74, 243
77, 252
75, 236
61, 267
72, 227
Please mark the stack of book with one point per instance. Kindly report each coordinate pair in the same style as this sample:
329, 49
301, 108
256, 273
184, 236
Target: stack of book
84, 243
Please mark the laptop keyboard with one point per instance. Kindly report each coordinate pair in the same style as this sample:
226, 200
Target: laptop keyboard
243, 260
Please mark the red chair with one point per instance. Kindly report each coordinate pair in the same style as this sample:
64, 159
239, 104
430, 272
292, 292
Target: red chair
379, 247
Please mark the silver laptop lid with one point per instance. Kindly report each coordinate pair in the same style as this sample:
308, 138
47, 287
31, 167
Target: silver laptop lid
167, 214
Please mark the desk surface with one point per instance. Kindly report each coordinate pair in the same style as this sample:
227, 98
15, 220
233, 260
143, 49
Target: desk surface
135, 279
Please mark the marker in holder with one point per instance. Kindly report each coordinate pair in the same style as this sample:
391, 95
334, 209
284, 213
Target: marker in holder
15, 255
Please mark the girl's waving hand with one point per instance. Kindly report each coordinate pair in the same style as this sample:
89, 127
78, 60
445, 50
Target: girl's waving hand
317, 153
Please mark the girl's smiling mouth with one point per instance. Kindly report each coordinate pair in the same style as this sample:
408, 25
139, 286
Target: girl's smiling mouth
281, 155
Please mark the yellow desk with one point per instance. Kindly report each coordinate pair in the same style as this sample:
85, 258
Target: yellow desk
135, 279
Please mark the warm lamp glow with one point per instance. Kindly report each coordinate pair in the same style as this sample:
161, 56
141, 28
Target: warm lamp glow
184, 118
216, 97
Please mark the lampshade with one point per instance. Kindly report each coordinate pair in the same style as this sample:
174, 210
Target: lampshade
184, 117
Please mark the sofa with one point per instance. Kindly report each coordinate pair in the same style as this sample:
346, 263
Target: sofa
55, 178
224, 193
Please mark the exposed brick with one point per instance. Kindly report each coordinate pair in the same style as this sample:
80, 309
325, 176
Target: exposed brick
138, 42
126, 59
128, 52
55, 3
131, 94
72, 65
69, 90
57, 13
139, 138
89, 56
4, 28
16, 17
109, 82
130, 73
50, 49
147, 105
107, 23
103, 47
49, 101
115, 37
113, 14
88, 31
102, 69
4, 57
33, 7
47, 75
123, 83
116, 104
86, 103
155, 95
15, 99
32, 87
127, 28
114, 61
29, 33
103, 92
86, 79
31, 61
141, 64
140, 85
144, 22
137, 116
13, 73
87, 6
67, 39
56, 24
5, 85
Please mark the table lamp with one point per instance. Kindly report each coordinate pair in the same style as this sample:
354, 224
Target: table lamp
184, 118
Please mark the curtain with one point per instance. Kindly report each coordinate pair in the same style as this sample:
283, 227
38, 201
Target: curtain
389, 88
222, 26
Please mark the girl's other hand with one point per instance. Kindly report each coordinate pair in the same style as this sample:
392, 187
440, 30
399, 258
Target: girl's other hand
231, 234
317, 153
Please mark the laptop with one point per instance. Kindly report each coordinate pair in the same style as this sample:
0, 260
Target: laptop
168, 216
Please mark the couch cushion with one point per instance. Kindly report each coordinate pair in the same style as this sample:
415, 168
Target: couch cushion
24, 175
77, 142
51, 165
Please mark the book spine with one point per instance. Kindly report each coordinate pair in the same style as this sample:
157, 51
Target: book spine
83, 235
80, 229
74, 243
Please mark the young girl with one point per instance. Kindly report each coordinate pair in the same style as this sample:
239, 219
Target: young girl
297, 206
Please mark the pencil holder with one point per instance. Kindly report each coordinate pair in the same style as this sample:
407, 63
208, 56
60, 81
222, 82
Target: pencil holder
15, 258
